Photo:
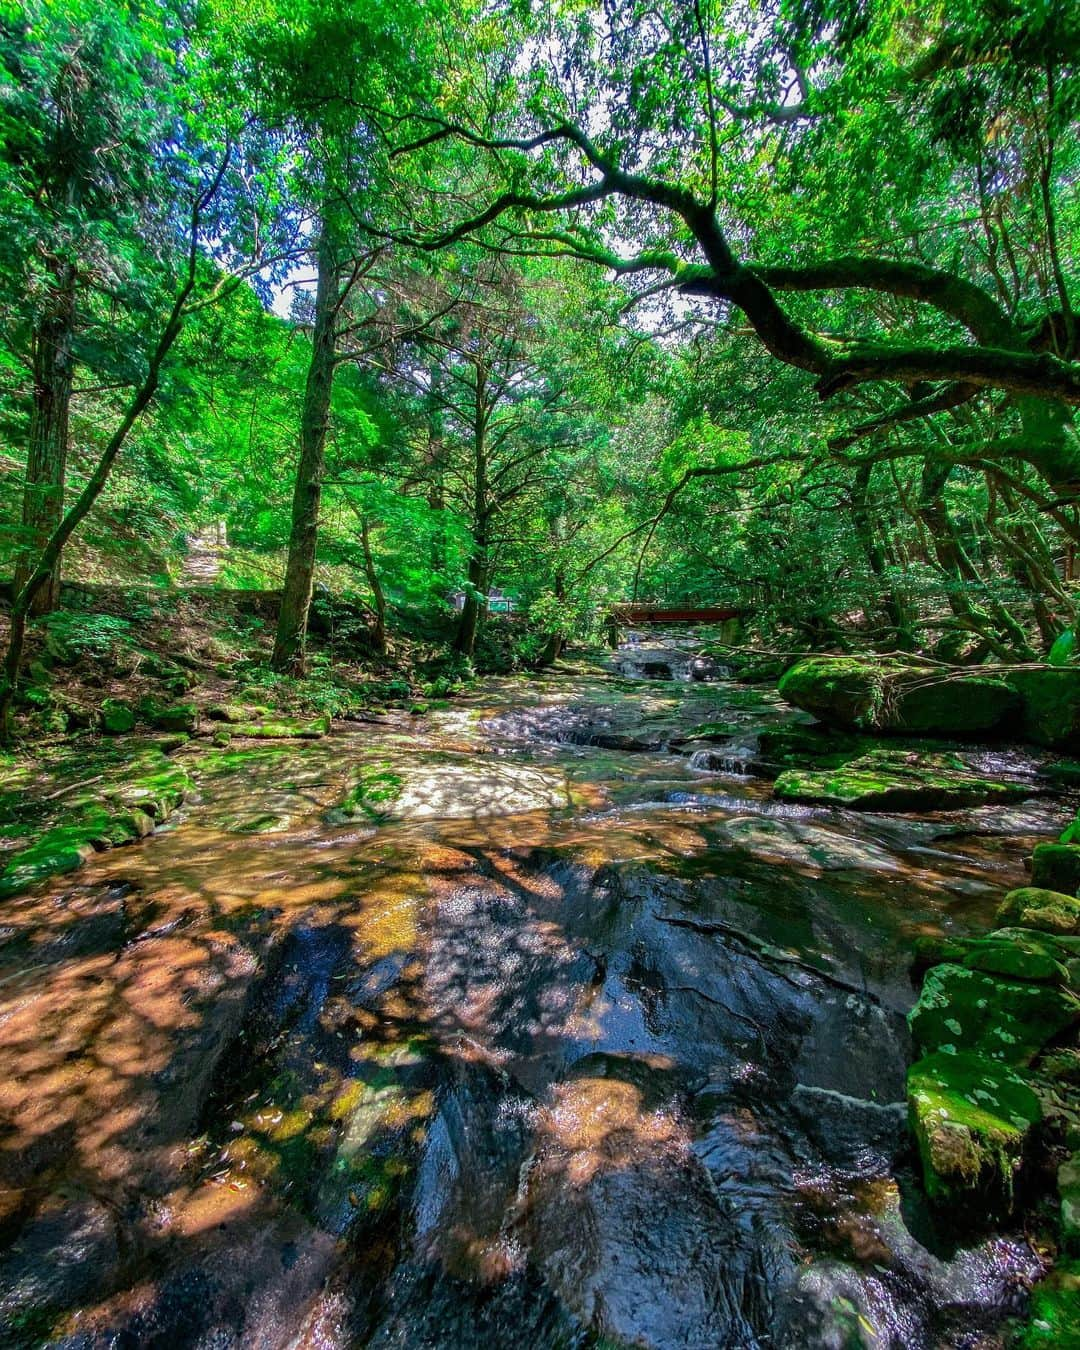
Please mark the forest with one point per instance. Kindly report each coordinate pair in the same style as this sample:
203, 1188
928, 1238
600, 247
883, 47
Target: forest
540, 688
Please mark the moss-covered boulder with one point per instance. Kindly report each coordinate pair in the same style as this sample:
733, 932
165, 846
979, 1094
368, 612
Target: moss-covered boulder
887, 780
971, 1118
117, 717
1005, 1019
1042, 909
890, 696
1056, 867
283, 729
1049, 711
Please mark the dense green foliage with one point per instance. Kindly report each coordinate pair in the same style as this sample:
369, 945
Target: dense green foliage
768, 306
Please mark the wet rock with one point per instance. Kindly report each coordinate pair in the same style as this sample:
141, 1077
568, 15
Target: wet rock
1002, 1019
887, 780
971, 1117
463, 789
627, 1225
1056, 867
1036, 907
1049, 705
116, 717
889, 696
703, 668
802, 844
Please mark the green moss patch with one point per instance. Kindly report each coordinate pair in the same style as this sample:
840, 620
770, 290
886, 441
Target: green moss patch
963, 1009
138, 795
283, 729
890, 780
371, 797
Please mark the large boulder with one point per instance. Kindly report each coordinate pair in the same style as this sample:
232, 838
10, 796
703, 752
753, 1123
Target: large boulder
1049, 711
890, 780
971, 1118
885, 695
1037, 907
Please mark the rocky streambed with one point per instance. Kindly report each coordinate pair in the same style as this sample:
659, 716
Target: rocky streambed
572, 1014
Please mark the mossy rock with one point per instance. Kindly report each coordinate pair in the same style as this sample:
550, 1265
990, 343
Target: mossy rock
120, 812
889, 696
1056, 867
238, 712
1049, 705
117, 717
177, 717
1002, 1019
1054, 1317
1042, 909
283, 730
1016, 953
887, 780
971, 1118
52, 855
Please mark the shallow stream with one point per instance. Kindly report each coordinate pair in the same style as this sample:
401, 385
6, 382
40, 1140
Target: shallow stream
589, 1043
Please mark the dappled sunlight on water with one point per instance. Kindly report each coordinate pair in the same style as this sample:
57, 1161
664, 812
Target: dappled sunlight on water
568, 1040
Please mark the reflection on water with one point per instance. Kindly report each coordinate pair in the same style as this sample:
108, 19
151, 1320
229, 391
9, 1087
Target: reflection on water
596, 1042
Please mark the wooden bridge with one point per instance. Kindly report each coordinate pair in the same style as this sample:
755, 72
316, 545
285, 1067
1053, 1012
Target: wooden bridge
655, 615
645, 616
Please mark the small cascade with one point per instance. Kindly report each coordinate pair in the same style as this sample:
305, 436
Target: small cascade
734, 760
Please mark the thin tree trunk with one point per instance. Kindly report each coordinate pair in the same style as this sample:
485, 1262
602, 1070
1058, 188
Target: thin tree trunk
479, 561
292, 625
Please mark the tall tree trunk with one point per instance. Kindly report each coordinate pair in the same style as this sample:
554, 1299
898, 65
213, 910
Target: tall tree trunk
46, 462
479, 560
314, 424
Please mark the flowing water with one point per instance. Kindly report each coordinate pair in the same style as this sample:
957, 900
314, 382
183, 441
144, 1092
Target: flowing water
593, 1045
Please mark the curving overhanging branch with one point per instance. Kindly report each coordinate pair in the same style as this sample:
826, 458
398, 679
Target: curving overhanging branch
999, 357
